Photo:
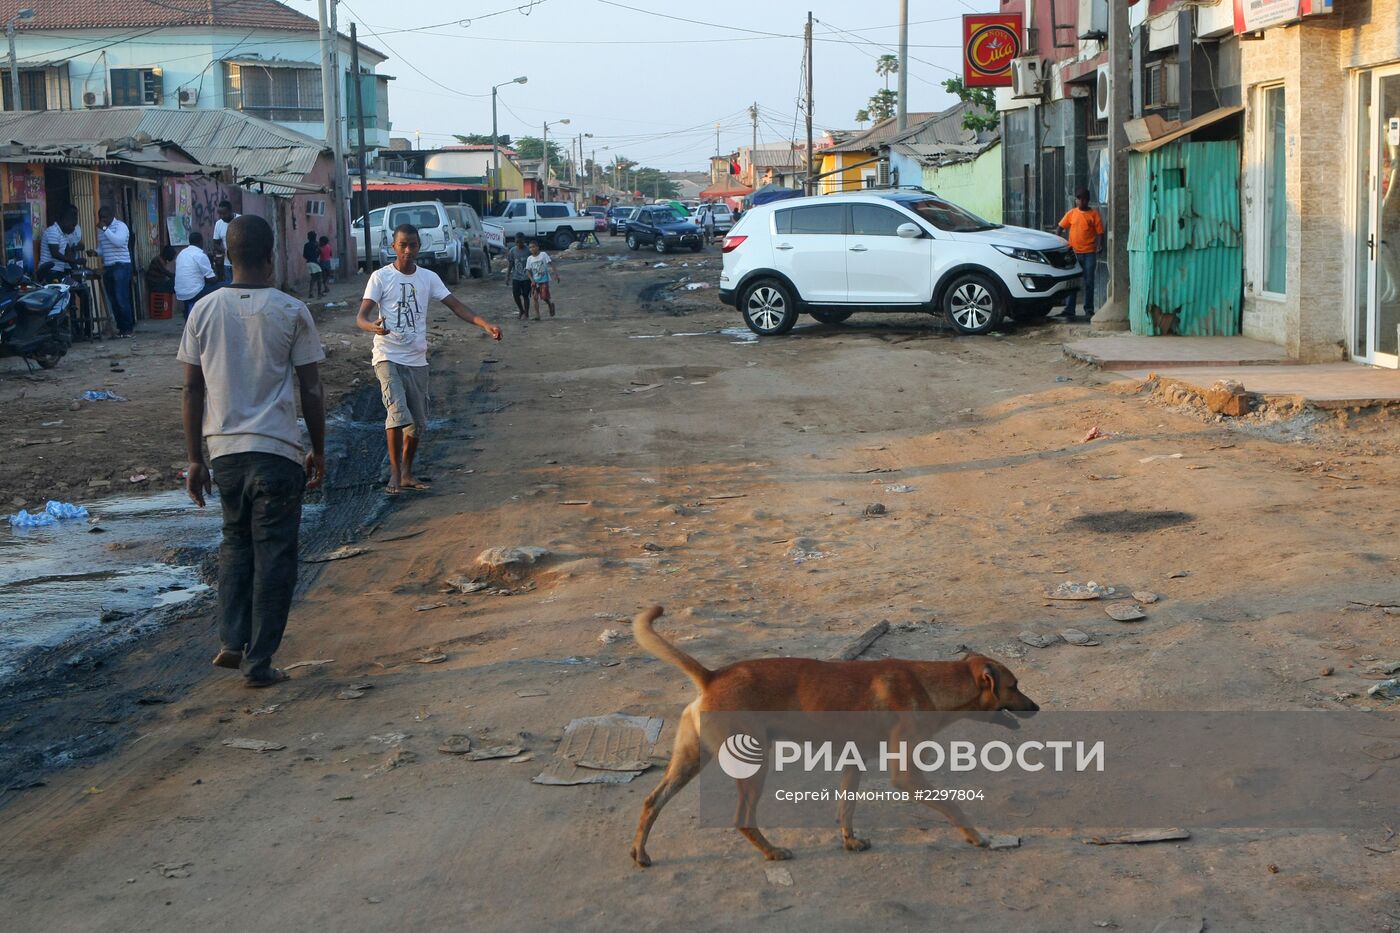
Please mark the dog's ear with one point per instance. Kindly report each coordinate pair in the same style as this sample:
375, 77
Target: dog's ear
987, 677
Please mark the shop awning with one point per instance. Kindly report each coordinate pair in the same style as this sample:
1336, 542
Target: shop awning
713, 192
1187, 128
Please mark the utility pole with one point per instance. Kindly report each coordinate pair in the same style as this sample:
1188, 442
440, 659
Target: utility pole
544, 160
810, 183
753, 146
901, 108
1113, 315
342, 175
360, 147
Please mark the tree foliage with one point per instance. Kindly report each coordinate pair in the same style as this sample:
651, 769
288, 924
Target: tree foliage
529, 147
882, 104
983, 113
862, 117
885, 66
474, 139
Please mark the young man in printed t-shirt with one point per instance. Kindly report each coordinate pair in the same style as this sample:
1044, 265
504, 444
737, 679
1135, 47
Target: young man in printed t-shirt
1083, 227
401, 292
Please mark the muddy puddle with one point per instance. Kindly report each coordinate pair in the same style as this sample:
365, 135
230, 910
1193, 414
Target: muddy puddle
740, 335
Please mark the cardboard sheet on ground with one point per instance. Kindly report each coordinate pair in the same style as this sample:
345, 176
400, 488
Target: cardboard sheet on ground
609, 749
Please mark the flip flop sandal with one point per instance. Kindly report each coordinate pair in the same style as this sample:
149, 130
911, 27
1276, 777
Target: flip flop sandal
418, 487
228, 658
276, 676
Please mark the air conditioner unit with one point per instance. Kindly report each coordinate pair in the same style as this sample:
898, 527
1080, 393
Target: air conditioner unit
189, 97
1027, 79
1103, 96
93, 99
1093, 19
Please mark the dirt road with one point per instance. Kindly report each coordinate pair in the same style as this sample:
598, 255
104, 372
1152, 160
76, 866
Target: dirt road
662, 458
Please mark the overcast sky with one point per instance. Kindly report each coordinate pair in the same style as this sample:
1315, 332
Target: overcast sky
646, 86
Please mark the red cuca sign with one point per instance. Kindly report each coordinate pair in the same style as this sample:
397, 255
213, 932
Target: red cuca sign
990, 42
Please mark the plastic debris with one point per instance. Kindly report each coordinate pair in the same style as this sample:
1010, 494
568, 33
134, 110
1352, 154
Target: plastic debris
609, 636
1072, 590
659, 265
696, 286
1385, 689
899, 487
53, 513
255, 745
22, 519
92, 395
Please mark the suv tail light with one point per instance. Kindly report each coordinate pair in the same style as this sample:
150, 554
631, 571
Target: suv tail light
731, 243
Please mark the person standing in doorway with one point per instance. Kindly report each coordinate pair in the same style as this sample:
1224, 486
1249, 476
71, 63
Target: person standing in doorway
1084, 229
114, 247
226, 217
401, 293
327, 263
194, 276
241, 348
517, 277
315, 274
542, 275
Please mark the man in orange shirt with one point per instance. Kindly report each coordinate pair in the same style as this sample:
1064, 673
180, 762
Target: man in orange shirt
1083, 227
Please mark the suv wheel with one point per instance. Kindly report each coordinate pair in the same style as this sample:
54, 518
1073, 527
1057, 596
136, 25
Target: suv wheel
768, 307
660, 245
632, 241
562, 239
973, 304
831, 317
454, 274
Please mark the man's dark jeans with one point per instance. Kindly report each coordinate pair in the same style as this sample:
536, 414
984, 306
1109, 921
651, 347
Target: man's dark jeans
1088, 265
117, 280
261, 495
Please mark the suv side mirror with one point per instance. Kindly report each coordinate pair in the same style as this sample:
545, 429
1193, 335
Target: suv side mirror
909, 231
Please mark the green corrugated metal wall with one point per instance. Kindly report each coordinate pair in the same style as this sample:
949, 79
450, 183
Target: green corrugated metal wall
1184, 250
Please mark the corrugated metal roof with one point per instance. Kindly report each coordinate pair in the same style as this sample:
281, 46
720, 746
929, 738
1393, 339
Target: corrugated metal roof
877, 134
942, 139
250, 146
1186, 129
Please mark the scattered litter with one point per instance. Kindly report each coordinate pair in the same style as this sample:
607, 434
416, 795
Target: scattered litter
436, 658
1160, 457
536, 693
1036, 640
22, 519
805, 549
659, 265
1093, 434
778, 875
255, 745
874, 509
398, 757
173, 869
1076, 591
389, 738
466, 585
695, 286
1075, 637
653, 547
343, 797
494, 751
1004, 842
576, 502
1386, 689
646, 388
609, 636
138, 478
430, 607
456, 745
863, 642
599, 740
899, 487
349, 694
92, 395
340, 553
1145, 596
499, 558
1125, 612
729, 495
296, 664
1139, 838
1106, 476
266, 710
521, 758
1178, 574
53, 513
333, 305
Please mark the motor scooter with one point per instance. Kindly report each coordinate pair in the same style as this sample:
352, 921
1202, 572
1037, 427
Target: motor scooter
34, 318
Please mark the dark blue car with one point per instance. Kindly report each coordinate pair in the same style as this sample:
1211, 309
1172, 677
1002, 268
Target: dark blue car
659, 226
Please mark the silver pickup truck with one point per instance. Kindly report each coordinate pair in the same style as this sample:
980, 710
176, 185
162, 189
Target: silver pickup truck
553, 225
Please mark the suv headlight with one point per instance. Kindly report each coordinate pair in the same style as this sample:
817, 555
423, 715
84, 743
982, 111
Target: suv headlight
1025, 255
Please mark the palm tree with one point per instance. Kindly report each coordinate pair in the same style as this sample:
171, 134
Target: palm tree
885, 66
862, 117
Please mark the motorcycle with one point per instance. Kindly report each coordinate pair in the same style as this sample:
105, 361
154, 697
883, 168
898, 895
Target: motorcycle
34, 318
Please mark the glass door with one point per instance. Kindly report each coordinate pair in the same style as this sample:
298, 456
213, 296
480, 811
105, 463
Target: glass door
1380, 252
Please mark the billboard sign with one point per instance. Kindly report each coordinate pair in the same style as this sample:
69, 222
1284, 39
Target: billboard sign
990, 42
1254, 15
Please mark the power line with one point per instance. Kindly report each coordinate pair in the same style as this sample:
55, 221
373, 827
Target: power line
409, 63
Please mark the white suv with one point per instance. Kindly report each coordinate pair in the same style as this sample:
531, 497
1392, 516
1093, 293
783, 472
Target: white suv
440, 240
896, 251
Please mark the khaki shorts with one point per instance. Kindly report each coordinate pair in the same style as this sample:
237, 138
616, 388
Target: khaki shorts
405, 393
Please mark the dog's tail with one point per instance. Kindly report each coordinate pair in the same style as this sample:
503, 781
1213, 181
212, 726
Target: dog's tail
663, 649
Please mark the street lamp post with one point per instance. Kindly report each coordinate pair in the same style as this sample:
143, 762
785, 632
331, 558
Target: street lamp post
496, 141
25, 13
544, 157
578, 144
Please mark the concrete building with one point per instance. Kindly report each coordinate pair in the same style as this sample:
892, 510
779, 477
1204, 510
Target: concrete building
943, 156
1322, 182
259, 57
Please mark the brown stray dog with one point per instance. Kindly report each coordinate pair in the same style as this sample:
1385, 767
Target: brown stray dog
975, 684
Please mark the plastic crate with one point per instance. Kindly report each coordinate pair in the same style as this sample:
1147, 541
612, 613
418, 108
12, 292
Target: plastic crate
160, 306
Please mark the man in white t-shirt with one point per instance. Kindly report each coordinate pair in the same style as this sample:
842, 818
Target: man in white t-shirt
226, 217
114, 246
401, 292
194, 276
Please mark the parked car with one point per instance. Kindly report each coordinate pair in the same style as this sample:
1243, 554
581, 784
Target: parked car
714, 219
376, 235
660, 227
834, 255
476, 258
555, 225
617, 219
440, 240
